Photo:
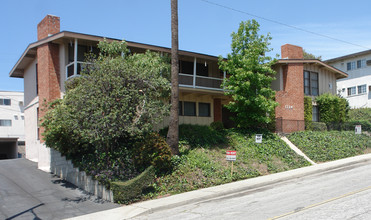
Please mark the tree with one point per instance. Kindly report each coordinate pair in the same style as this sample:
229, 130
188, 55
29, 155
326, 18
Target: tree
118, 98
250, 77
332, 108
173, 132
311, 56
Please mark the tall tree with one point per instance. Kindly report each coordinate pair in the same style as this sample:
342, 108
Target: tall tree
250, 78
173, 133
311, 56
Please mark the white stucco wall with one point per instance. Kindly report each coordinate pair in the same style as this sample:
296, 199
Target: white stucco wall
357, 77
13, 112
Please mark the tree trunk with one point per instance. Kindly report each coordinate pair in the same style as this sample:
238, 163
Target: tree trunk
173, 133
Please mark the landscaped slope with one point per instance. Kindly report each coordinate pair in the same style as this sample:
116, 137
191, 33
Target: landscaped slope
331, 145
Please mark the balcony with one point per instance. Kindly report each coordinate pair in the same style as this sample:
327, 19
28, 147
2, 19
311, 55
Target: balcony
70, 69
200, 82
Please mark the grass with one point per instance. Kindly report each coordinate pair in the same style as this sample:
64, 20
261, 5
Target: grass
202, 161
331, 145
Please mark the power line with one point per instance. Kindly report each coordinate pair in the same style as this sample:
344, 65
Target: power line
283, 24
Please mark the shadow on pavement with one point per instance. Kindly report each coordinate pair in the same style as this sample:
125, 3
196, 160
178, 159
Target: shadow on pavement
28, 210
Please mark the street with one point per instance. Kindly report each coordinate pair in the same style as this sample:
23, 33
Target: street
29, 193
338, 194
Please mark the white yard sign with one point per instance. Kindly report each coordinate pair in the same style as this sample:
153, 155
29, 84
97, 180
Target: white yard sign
258, 138
358, 129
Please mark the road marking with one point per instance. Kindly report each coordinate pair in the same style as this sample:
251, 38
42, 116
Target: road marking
320, 203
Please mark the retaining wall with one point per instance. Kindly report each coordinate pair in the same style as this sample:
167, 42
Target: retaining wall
64, 168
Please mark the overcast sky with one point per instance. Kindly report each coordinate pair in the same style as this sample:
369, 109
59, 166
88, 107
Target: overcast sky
203, 26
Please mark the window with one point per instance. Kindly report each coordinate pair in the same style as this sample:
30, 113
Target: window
204, 109
180, 108
351, 65
351, 91
5, 102
310, 83
37, 83
315, 114
361, 63
189, 109
5, 123
362, 89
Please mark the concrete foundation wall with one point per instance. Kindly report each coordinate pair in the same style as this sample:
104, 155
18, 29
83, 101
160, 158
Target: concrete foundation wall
65, 170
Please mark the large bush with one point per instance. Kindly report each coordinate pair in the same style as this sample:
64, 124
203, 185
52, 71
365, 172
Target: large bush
308, 112
116, 101
332, 108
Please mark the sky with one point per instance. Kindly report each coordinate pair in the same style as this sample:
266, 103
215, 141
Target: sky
205, 26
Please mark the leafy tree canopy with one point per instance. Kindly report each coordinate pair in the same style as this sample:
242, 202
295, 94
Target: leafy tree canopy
250, 76
118, 98
311, 56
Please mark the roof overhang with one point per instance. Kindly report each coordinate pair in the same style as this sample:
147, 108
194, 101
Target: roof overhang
338, 73
31, 51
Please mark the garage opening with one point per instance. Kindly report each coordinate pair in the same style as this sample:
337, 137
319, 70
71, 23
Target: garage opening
8, 148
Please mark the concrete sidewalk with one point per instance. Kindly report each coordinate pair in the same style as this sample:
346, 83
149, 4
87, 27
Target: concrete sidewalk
127, 212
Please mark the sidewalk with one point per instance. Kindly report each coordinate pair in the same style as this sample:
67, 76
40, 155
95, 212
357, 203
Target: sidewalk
127, 212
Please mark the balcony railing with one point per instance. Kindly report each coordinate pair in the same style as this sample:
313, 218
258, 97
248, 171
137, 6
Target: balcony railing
200, 82
70, 69
185, 80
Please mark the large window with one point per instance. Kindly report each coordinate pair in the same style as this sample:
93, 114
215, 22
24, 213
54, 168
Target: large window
356, 64
5, 123
204, 109
202, 69
362, 89
5, 102
352, 91
189, 108
310, 83
315, 113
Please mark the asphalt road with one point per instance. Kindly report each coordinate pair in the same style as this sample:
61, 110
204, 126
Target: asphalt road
338, 194
29, 193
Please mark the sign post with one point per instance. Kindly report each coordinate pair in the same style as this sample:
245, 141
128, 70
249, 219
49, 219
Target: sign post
258, 138
358, 129
231, 156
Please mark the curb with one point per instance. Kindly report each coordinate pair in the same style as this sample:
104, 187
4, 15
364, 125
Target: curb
150, 206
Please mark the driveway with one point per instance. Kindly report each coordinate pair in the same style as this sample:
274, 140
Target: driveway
29, 193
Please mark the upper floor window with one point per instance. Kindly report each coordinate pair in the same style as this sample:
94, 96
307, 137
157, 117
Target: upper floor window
311, 83
356, 64
4, 122
5, 102
352, 91
362, 89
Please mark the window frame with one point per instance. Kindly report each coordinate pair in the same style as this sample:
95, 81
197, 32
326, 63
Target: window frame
350, 89
360, 90
185, 110
4, 124
312, 89
3, 102
200, 113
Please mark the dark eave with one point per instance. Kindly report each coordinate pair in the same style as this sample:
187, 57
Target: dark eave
339, 74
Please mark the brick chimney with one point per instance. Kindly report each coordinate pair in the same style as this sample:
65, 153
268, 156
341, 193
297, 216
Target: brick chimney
48, 26
48, 69
289, 51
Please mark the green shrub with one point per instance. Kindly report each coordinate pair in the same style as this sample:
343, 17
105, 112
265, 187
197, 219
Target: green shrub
124, 192
332, 108
198, 135
217, 125
360, 114
318, 126
153, 150
308, 112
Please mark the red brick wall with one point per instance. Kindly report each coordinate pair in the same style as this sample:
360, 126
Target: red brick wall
48, 76
290, 110
217, 110
49, 25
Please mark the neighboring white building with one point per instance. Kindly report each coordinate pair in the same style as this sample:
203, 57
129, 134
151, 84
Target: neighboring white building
356, 88
11, 124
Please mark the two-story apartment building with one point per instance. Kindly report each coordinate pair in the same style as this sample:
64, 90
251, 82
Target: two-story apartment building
357, 87
12, 138
297, 77
58, 56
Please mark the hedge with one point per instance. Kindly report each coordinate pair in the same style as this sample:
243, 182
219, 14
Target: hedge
124, 192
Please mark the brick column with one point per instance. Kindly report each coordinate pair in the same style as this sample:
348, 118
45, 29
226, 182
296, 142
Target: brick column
217, 110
